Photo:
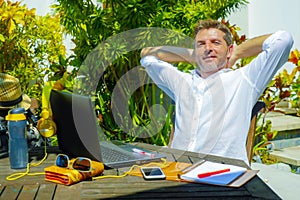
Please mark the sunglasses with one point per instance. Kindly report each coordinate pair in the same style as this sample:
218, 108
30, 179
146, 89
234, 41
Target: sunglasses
81, 164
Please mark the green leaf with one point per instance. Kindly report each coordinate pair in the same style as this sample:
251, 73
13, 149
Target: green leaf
2, 38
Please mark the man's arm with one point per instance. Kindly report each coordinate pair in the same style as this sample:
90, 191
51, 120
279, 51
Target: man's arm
170, 53
248, 48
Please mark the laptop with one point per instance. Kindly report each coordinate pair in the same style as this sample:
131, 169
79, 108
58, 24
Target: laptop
79, 134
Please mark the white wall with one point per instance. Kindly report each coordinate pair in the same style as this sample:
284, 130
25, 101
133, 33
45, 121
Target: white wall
271, 15
266, 16
240, 19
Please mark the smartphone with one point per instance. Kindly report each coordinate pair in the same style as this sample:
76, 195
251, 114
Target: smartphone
153, 173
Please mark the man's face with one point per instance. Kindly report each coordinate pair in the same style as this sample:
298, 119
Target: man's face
211, 51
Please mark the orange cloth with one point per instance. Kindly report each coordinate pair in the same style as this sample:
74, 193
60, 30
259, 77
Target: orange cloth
67, 176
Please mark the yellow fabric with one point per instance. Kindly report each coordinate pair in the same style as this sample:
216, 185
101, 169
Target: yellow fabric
67, 176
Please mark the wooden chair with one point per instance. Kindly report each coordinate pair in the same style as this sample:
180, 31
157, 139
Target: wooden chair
251, 133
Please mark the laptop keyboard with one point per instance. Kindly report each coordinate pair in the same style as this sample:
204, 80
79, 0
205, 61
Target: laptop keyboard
114, 155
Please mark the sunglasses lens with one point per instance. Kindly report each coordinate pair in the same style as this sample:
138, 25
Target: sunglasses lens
82, 164
62, 160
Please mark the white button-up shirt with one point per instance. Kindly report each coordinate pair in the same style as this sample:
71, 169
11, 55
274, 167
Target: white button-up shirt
213, 114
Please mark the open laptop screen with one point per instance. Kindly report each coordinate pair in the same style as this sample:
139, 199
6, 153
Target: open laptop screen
79, 134
76, 124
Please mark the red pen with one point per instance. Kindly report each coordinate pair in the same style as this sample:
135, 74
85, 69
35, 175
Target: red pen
207, 174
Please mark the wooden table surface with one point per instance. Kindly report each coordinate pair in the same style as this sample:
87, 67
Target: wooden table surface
129, 187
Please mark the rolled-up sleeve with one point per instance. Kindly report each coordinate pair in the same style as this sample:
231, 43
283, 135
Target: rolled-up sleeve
262, 69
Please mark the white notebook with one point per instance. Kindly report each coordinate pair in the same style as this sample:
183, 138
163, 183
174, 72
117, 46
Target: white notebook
214, 173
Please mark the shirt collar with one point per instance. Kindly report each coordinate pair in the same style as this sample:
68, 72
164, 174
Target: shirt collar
196, 72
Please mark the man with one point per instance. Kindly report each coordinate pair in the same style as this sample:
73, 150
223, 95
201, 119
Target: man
214, 102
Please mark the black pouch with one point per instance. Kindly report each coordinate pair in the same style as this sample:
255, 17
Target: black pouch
3, 140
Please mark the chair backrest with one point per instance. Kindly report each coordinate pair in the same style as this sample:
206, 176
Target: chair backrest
251, 133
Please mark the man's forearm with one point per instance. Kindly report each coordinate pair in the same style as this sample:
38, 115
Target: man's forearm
248, 48
170, 53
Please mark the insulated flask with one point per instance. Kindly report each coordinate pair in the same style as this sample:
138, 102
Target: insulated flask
17, 146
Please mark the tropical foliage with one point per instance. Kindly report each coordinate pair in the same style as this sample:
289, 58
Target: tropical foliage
91, 25
29, 45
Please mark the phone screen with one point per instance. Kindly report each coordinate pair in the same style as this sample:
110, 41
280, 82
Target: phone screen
153, 173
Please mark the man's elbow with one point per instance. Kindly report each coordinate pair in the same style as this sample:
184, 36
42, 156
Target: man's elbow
287, 38
290, 39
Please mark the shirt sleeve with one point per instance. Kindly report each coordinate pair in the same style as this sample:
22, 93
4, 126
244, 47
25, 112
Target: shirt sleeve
262, 69
163, 74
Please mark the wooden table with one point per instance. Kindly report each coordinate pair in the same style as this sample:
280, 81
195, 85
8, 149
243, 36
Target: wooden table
129, 187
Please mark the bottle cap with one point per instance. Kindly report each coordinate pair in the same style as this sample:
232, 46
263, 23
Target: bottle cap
16, 114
